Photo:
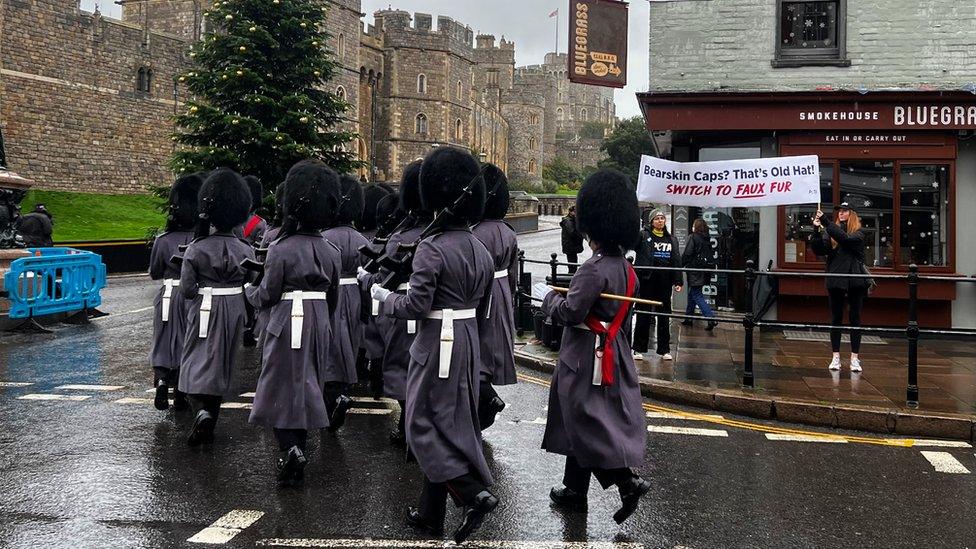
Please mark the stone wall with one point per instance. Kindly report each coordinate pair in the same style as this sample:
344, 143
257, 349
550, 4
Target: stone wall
183, 18
525, 112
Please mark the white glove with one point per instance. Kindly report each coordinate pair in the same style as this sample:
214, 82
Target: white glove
362, 274
631, 256
379, 293
540, 291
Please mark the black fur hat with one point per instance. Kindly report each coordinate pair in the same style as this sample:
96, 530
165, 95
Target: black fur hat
387, 187
279, 196
388, 213
496, 185
444, 175
257, 191
371, 197
352, 201
312, 192
607, 210
225, 201
410, 188
183, 203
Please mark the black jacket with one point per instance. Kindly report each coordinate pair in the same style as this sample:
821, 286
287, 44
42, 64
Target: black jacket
846, 258
572, 239
36, 228
698, 254
658, 252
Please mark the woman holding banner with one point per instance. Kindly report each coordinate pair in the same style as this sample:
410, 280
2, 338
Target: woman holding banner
841, 241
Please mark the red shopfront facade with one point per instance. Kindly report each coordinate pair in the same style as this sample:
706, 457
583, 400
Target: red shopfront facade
894, 156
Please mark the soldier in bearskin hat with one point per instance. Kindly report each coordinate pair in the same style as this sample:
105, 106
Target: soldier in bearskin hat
169, 316
300, 290
212, 279
595, 414
253, 230
451, 279
497, 324
275, 226
347, 329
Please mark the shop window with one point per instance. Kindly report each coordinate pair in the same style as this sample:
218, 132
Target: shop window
869, 188
923, 215
799, 221
811, 32
420, 124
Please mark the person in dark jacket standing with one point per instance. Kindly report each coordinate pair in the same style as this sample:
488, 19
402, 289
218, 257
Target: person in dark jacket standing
657, 248
572, 239
841, 241
698, 254
37, 228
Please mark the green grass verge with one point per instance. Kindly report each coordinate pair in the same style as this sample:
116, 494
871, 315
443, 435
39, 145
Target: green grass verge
82, 216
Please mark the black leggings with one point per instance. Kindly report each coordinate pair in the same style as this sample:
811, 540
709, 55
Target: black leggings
855, 299
577, 478
291, 437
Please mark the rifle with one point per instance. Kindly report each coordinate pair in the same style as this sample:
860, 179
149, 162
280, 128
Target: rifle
376, 250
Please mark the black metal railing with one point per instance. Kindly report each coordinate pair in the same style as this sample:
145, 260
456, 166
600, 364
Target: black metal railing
749, 322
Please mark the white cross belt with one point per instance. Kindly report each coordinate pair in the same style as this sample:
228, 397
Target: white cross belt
501, 274
298, 312
207, 304
597, 353
168, 285
447, 318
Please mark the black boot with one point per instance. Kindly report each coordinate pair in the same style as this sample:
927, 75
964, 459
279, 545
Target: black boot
489, 411
398, 437
202, 430
474, 515
568, 498
376, 379
338, 418
687, 322
711, 325
630, 493
180, 402
249, 340
291, 467
417, 521
161, 402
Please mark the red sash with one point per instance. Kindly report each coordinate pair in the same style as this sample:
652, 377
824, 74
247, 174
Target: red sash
609, 334
251, 225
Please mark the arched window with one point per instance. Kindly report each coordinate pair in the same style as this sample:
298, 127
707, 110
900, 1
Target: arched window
532, 167
420, 124
458, 130
341, 45
421, 83
460, 90
533, 119
144, 78
559, 114
341, 93
583, 114
533, 143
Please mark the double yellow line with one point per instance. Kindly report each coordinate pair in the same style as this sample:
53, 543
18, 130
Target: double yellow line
758, 427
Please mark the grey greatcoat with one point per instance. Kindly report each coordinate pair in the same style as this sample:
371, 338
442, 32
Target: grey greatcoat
347, 327
497, 325
373, 340
451, 270
396, 331
289, 391
208, 363
603, 427
167, 344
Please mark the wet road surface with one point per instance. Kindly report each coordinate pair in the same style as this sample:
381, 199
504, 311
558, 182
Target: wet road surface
85, 461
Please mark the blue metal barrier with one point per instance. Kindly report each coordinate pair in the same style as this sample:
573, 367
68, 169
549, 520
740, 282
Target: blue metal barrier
54, 280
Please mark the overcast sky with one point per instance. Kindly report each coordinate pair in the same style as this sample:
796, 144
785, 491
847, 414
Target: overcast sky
526, 22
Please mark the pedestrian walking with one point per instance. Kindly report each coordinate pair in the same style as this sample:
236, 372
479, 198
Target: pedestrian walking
212, 278
497, 324
347, 328
274, 227
572, 239
698, 255
366, 368
596, 418
169, 306
253, 230
451, 280
388, 216
841, 242
299, 288
657, 248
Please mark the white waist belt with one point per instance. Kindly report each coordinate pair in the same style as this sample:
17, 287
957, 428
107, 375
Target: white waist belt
168, 285
501, 274
597, 354
352, 281
498, 275
448, 316
207, 304
298, 312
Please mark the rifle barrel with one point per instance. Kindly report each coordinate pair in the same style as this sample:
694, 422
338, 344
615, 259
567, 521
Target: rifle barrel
616, 297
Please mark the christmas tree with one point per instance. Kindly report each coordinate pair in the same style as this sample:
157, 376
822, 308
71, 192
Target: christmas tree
258, 101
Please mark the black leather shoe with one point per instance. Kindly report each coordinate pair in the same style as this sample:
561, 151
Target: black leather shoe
474, 515
417, 521
711, 325
687, 323
568, 498
398, 438
180, 402
490, 412
291, 466
630, 494
343, 403
161, 402
202, 430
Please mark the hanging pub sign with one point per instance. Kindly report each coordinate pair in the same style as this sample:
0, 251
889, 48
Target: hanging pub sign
598, 42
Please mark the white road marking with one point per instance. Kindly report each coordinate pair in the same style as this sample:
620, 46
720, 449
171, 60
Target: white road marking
370, 411
536, 421
89, 388
944, 462
226, 527
236, 406
666, 429
688, 417
14, 384
130, 400
439, 544
807, 438
247, 395
941, 443
116, 315
42, 396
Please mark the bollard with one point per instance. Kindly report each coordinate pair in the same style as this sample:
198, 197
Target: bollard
749, 323
519, 300
912, 333
554, 264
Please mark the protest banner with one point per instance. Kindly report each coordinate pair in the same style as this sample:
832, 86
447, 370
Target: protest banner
731, 183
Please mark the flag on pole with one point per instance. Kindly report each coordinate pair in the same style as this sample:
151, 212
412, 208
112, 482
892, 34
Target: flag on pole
554, 13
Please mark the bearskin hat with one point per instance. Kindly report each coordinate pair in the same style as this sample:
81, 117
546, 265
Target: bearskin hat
444, 175
607, 210
387, 187
312, 192
279, 196
183, 203
371, 197
352, 202
388, 213
225, 200
410, 188
257, 191
496, 185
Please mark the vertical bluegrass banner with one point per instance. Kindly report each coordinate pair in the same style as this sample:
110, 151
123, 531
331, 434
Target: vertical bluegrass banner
731, 183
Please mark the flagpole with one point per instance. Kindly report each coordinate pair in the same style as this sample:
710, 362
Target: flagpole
557, 32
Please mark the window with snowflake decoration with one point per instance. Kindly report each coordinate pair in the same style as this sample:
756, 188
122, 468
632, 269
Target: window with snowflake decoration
923, 215
869, 187
799, 221
811, 32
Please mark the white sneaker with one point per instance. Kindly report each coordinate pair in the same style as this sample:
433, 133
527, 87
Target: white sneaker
667, 356
856, 365
834, 364
638, 356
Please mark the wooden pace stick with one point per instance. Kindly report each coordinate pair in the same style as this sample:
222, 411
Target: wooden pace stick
616, 297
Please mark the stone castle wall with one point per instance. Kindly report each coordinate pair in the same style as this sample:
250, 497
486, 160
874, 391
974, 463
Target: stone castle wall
525, 112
